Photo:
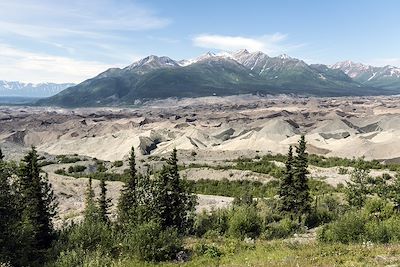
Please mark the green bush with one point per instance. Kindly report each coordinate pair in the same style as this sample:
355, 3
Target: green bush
76, 168
376, 232
282, 229
269, 215
343, 171
377, 208
118, 163
65, 159
87, 236
349, 228
149, 242
215, 221
209, 250
393, 228
328, 208
245, 222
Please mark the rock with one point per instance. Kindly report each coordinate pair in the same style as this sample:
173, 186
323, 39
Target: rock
249, 240
182, 256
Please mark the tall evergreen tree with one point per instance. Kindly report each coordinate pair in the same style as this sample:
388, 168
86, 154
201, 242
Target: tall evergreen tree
128, 200
103, 202
91, 211
8, 215
175, 201
300, 179
38, 208
286, 191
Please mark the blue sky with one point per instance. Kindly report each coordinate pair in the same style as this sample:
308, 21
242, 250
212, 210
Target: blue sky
69, 41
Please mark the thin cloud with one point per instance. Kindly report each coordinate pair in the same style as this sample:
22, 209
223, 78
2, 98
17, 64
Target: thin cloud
385, 61
76, 17
16, 64
270, 44
69, 41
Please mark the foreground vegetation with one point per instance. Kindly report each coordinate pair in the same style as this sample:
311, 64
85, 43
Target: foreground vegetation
267, 225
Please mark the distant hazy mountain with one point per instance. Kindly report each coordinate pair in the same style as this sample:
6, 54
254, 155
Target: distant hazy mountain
31, 90
387, 77
239, 72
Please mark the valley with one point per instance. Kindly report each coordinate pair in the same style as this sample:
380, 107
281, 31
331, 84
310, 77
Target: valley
209, 133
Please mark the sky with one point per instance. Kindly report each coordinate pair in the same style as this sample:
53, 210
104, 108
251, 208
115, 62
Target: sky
73, 40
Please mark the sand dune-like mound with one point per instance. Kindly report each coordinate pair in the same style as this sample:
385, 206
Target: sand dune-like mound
349, 127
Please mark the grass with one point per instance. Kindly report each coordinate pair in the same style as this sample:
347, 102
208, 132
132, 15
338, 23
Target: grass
282, 253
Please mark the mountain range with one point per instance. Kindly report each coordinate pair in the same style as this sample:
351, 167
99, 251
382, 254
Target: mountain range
19, 89
227, 73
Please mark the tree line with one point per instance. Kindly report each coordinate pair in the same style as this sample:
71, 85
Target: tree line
156, 211
160, 206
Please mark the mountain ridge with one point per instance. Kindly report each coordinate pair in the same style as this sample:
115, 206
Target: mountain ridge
387, 76
21, 89
224, 73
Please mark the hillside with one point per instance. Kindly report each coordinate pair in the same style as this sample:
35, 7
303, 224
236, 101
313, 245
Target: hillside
211, 74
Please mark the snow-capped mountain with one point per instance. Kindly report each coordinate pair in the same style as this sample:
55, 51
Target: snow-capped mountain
227, 73
150, 63
387, 76
15, 88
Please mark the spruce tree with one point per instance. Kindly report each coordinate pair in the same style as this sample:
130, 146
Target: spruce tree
8, 215
90, 205
300, 180
175, 201
286, 188
128, 200
103, 202
38, 208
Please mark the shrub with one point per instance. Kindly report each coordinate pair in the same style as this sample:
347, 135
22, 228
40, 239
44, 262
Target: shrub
244, 222
65, 159
348, 228
100, 166
328, 209
118, 163
268, 213
377, 208
76, 168
282, 229
393, 228
209, 250
215, 221
87, 236
376, 232
343, 171
149, 242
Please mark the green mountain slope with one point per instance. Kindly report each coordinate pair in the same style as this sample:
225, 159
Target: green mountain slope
238, 73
